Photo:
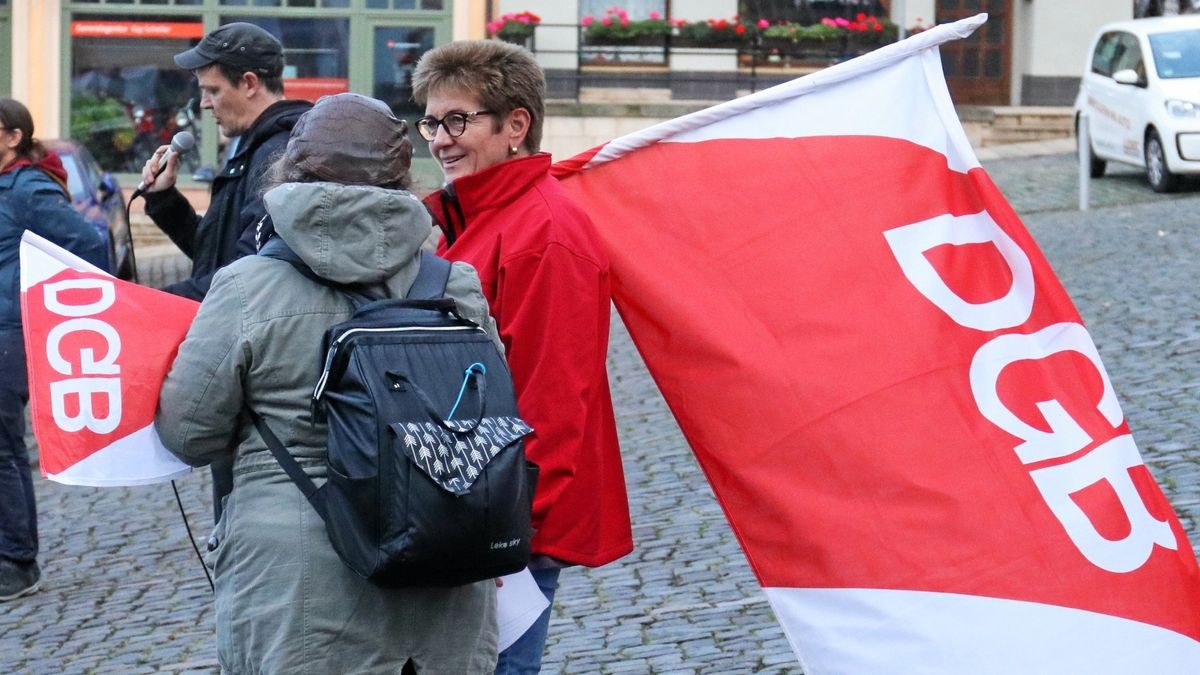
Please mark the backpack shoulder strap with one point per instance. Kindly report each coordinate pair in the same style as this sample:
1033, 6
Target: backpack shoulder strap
277, 248
432, 276
289, 464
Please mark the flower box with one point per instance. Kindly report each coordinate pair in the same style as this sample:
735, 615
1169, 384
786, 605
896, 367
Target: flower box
615, 28
516, 27
694, 43
714, 34
803, 46
629, 41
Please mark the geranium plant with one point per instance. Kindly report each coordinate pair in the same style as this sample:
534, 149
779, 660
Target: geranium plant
615, 27
794, 32
867, 28
514, 27
716, 32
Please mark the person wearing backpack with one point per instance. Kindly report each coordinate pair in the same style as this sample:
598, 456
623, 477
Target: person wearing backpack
546, 277
285, 601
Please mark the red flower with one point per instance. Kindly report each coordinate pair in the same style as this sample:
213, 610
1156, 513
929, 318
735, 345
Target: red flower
740, 29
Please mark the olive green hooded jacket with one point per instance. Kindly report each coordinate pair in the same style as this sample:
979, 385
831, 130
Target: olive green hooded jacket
285, 603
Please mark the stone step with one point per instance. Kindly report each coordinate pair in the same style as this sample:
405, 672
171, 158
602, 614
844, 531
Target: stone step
1066, 124
1055, 117
1023, 124
997, 136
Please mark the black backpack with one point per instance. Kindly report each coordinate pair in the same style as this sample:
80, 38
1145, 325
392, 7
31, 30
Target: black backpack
428, 484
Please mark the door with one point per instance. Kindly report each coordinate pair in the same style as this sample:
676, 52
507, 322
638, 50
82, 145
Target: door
1113, 123
395, 52
978, 69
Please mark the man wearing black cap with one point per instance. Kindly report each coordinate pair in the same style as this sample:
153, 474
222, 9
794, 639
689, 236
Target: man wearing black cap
239, 67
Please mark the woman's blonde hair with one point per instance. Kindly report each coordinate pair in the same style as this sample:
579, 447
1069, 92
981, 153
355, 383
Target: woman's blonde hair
502, 76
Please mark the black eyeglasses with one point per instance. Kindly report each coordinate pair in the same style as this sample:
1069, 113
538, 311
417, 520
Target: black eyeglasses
455, 123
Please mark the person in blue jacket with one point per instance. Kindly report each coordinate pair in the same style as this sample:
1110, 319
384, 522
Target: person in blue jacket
33, 196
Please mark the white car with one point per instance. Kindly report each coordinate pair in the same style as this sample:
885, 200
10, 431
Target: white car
1141, 96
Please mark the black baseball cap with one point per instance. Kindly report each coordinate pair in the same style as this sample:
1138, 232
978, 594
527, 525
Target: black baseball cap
240, 45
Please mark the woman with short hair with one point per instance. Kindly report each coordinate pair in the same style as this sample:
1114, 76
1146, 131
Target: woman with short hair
545, 274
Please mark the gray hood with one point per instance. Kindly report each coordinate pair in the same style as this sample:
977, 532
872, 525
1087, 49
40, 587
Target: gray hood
349, 233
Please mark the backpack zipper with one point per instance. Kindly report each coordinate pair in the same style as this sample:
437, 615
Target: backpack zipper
333, 348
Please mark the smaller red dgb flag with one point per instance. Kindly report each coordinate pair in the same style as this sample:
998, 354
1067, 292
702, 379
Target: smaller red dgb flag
97, 349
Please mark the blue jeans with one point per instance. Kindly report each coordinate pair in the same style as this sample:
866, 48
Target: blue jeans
18, 511
524, 657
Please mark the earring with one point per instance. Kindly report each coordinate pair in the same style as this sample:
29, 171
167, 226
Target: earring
512, 150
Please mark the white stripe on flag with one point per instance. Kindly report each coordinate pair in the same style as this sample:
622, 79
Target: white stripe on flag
137, 459
910, 632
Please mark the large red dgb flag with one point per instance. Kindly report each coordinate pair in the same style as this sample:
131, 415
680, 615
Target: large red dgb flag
97, 350
900, 410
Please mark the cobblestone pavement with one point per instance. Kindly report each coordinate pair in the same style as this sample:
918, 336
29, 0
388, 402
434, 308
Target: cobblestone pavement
123, 592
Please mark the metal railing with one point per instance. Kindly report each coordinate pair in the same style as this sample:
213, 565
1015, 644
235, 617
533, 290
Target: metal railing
573, 63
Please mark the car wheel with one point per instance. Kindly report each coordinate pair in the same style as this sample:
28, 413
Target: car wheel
1096, 166
1157, 172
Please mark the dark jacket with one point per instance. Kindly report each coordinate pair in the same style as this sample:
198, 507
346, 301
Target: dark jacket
31, 200
545, 275
226, 232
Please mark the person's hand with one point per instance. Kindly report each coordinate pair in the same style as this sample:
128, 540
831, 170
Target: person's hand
499, 582
167, 178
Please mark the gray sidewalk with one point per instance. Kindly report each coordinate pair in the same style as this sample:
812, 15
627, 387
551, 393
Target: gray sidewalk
123, 592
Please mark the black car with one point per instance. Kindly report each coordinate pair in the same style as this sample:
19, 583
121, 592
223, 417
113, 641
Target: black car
98, 198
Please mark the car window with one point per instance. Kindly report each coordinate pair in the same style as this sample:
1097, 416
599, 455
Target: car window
89, 165
1176, 54
75, 174
1108, 49
1129, 56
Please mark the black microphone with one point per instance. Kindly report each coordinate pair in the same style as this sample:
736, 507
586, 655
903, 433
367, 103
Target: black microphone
181, 143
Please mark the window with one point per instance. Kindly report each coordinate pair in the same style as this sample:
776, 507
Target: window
284, 3
1108, 49
1176, 54
136, 2
406, 4
316, 53
125, 88
1130, 57
637, 9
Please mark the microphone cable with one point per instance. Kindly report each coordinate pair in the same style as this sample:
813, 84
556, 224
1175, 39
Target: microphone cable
187, 526
211, 587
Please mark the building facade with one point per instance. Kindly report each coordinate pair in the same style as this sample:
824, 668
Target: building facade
101, 71
1030, 52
